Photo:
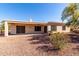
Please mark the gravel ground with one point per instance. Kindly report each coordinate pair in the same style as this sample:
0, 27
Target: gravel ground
35, 45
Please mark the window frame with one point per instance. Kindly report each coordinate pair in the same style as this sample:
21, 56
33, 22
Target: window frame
63, 27
54, 28
37, 28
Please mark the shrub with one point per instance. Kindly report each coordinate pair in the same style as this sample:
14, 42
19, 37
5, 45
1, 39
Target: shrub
59, 40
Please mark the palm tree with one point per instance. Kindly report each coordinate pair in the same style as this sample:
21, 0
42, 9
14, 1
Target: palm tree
71, 14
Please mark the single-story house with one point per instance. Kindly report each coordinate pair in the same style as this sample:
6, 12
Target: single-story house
18, 27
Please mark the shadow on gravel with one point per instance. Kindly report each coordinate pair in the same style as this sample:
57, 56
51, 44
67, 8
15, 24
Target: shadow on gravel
76, 48
45, 45
74, 38
49, 50
42, 39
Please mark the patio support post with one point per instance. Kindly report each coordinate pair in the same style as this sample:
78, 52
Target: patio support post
6, 28
49, 28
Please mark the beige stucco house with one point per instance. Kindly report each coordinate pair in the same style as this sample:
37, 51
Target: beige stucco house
18, 27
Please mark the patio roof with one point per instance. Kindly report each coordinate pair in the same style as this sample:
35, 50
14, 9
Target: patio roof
56, 23
35, 23
29, 23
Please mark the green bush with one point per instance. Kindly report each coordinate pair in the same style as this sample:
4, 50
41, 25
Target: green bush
59, 40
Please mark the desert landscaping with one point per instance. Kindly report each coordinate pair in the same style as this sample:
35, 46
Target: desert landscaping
35, 45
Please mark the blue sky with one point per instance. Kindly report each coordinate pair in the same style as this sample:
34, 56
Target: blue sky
41, 12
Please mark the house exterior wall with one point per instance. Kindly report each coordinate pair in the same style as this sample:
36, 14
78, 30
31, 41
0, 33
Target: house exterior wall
67, 29
59, 29
31, 29
49, 27
12, 29
28, 29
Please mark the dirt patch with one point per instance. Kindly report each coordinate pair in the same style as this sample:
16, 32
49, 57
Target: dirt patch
37, 45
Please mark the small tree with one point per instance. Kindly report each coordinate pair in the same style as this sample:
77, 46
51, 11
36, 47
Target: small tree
71, 15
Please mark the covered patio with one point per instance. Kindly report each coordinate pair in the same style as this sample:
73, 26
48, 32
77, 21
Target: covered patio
17, 27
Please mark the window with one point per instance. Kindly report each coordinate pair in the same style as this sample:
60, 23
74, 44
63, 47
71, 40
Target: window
37, 28
53, 28
63, 27
20, 29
